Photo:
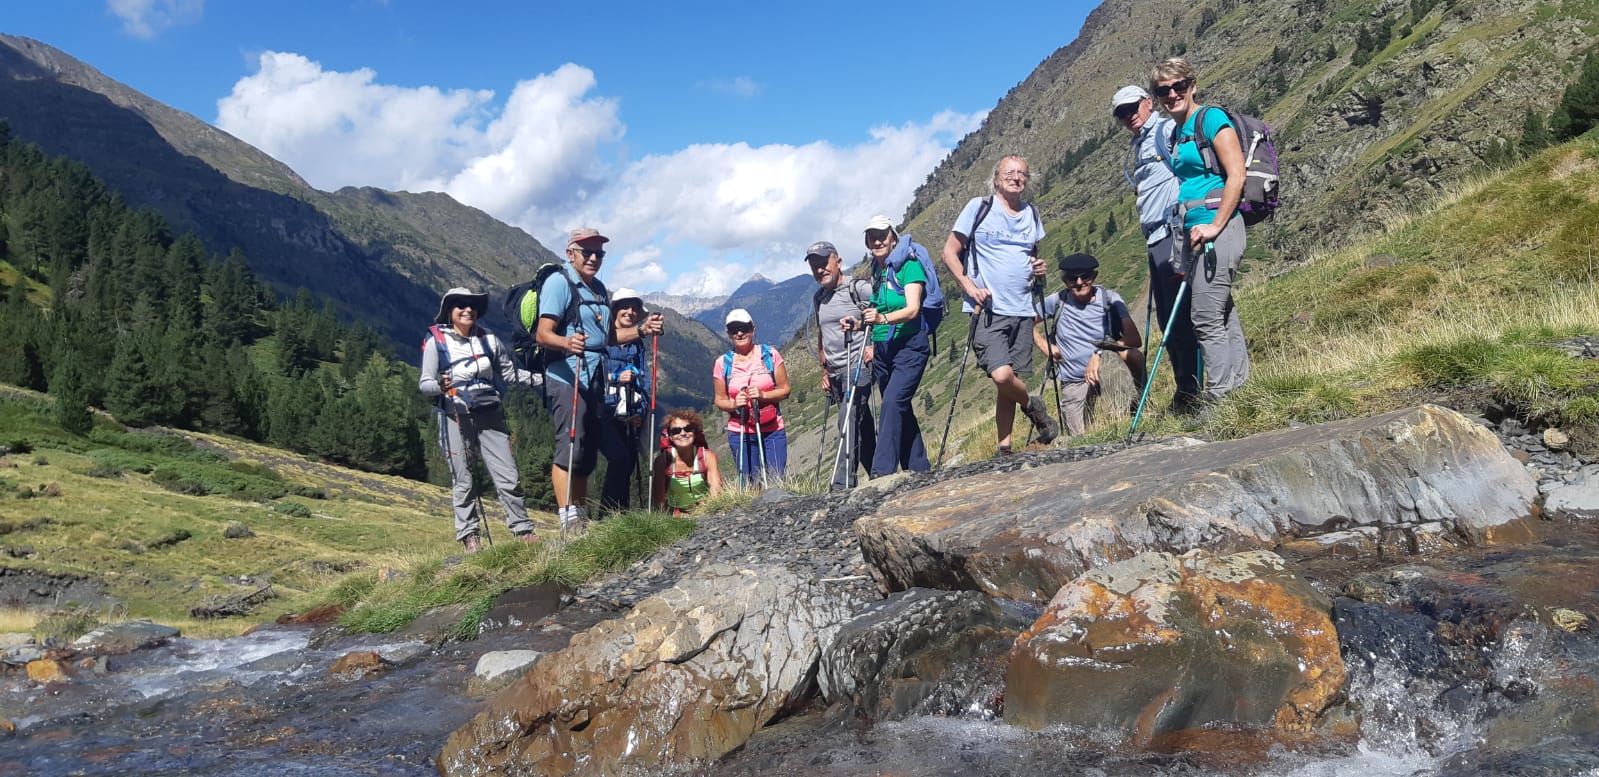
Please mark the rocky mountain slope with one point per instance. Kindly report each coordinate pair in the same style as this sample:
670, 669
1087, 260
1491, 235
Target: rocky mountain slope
380, 256
1361, 132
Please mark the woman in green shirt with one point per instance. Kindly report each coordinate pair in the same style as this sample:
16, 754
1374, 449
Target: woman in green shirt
900, 345
686, 471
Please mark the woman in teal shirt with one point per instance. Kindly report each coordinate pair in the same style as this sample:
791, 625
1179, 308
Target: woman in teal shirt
1208, 160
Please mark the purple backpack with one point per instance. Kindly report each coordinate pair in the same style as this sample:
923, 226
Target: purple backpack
1260, 162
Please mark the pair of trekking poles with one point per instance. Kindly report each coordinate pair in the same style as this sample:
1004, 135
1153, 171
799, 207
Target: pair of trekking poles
848, 444
462, 418
960, 376
752, 417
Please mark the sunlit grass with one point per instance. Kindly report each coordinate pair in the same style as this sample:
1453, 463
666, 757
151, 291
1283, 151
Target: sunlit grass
18, 620
425, 582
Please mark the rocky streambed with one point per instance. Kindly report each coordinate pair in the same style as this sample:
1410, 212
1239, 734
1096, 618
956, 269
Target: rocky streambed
1364, 598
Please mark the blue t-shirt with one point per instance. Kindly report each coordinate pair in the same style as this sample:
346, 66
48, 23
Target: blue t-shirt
1196, 181
593, 319
1079, 326
1004, 247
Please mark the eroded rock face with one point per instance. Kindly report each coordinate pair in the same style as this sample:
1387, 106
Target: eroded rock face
1161, 643
685, 677
916, 646
1022, 535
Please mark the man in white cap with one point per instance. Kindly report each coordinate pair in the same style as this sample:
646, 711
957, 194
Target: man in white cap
846, 357
575, 320
1147, 169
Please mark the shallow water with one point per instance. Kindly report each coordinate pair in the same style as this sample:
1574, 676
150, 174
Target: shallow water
264, 705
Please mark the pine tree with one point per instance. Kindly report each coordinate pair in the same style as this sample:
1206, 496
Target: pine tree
1578, 111
1534, 134
67, 386
135, 391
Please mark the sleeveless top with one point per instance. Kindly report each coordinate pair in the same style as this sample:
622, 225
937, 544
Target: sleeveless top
685, 489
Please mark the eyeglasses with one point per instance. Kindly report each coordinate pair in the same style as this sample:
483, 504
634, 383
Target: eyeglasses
1016, 175
740, 329
878, 235
1128, 110
677, 430
1181, 87
1074, 277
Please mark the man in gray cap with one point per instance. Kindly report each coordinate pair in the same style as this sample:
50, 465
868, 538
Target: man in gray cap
846, 359
1147, 168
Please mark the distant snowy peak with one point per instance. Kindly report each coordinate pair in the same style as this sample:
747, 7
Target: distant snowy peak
685, 304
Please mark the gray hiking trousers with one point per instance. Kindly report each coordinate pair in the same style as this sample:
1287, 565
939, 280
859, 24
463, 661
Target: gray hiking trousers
482, 432
1216, 325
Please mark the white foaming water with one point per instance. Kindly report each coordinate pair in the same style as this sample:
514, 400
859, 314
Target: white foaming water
190, 660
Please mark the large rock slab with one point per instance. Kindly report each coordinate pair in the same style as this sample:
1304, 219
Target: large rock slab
920, 651
1160, 643
684, 678
1022, 535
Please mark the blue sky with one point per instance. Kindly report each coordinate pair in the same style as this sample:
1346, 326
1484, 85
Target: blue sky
709, 140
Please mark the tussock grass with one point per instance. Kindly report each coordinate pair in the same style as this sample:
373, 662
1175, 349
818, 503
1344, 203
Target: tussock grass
434, 580
17, 620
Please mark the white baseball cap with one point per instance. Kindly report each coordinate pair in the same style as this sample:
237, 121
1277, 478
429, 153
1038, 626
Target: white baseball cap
1127, 94
739, 316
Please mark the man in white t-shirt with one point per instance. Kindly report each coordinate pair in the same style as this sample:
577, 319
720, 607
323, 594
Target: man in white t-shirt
997, 277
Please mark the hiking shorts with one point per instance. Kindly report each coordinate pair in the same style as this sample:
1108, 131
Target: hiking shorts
1004, 341
578, 456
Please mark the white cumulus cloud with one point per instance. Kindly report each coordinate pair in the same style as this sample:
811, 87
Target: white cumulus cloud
147, 18
698, 220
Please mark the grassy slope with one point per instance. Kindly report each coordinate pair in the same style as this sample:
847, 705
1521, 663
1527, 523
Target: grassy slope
110, 527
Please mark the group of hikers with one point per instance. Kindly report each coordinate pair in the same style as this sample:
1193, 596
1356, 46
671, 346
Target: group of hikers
876, 329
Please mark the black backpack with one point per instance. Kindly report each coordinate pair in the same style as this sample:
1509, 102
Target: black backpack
522, 311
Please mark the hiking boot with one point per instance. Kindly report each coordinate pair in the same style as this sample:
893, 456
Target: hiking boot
1048, 430
472, 544
530, 538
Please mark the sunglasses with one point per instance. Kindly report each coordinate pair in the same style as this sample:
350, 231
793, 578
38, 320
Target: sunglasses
877, 235
1127, 111
1181, 87
677, 430
1071, 277
740, 329
597, 253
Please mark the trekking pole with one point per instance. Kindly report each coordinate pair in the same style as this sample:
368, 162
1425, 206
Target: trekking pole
1149, 380
571, 444
482, 515
847, 451
760, 444
1038, 308
971, 332
827, 414
655, 363
1049, 361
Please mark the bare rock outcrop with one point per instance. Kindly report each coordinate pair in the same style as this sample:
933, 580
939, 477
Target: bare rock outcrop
1024, 534
684, 678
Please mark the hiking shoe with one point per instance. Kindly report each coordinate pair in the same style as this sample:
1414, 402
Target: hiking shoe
1048, 430
1003, 450
530, 538
472, 544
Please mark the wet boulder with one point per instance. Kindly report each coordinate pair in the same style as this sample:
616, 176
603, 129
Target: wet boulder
1418, 474
125, 637
918, 648
683, 678
1161, 643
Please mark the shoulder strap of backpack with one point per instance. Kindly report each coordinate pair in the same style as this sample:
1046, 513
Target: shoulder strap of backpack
766, 359
699, 461
970, 259
727, 366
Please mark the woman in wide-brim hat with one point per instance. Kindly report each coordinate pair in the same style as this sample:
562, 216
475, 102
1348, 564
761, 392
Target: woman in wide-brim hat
465, 368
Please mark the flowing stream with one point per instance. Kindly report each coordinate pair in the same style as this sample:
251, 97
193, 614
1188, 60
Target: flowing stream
265, 704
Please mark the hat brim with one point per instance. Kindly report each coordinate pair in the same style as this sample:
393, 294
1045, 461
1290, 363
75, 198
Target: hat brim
479, 303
